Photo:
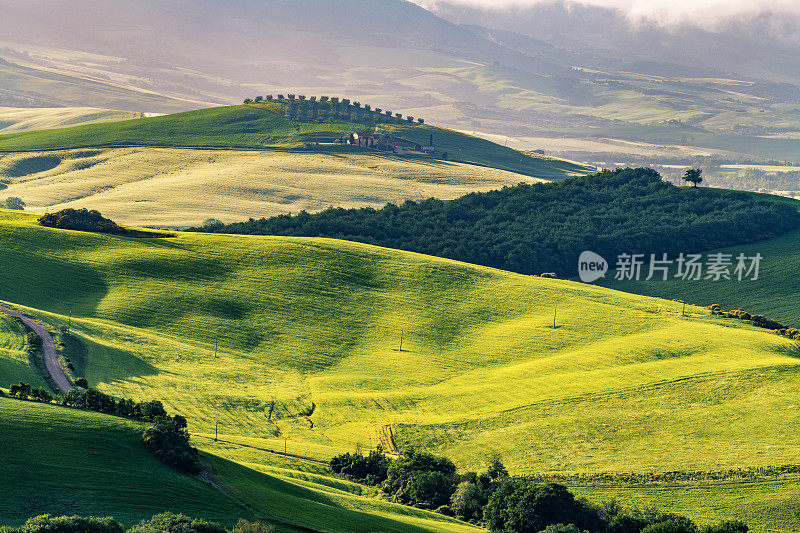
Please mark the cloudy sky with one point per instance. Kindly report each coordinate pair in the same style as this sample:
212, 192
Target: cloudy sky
667, 11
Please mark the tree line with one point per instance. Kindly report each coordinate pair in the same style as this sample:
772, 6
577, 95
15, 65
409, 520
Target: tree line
313, 109
161, 523
544, 227
503, 503
167, 437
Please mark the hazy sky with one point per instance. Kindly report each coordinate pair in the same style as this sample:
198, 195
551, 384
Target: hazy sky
667, 11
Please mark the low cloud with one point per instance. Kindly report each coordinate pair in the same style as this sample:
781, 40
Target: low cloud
667, 12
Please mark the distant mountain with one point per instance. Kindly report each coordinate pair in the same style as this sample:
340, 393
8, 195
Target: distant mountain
765, 47
531, 74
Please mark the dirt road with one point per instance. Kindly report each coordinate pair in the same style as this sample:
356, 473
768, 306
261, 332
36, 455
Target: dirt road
57, 373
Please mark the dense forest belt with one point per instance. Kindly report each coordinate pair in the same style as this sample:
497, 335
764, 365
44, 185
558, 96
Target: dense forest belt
49, 353
538, 228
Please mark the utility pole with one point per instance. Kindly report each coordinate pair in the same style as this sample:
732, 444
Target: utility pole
401, 340
555, 312
216, 345
216, 431
684, 308
285, 439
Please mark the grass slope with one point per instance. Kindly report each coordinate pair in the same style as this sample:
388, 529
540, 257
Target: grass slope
85, 463
265, 126
773, 294
14, 363
624, 382
182, 187
15, 119
30, 87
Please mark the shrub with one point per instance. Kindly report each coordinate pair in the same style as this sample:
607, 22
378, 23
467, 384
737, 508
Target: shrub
561, 528
243, 526
81, 220
176, 523
170, 443
715, 307
527, 507
371, 469
421, 479
13, 202
81, 382
551, 275
673, 525
70, 524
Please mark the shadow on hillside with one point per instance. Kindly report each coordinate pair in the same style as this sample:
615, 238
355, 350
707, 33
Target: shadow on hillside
790, 350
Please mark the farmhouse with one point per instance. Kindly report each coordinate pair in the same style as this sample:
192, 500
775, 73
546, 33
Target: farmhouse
367, 139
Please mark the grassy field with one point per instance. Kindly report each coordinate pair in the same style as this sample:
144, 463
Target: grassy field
15, 119
94, 464
14, 364
181, 187
302, 321
29, 87
266, 126
773, 294
766, 506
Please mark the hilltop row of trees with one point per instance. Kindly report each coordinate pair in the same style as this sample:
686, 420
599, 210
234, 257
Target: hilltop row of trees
161, 523
544, 227
502, 503
313, 109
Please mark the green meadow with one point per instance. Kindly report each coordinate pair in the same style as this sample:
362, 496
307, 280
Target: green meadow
77, 462
180, 187
267, 126
773, 294
623, 383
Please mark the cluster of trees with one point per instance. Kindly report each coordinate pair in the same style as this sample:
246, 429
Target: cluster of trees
370, 470
168, 439
81, 220
161, 523
313, 109
24, 391
13, 202
502, 503
544, 227
94, 400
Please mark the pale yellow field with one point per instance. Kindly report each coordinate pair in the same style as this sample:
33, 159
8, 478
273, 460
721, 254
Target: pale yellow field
16, 119
182, 187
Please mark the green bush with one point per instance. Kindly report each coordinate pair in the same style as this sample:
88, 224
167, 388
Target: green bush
421, 479
176, 523
170, 443
675, 525
81, 220
523, 506
70, 524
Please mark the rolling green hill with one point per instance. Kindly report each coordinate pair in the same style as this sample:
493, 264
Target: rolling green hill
272, 125
180, 187
95, 464
773, 294
30, 87
255, 333
301, 321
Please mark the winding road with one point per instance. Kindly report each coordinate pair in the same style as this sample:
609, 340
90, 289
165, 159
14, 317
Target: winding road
49, 354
